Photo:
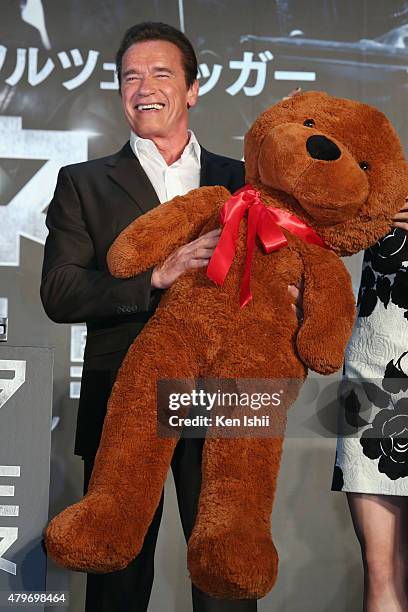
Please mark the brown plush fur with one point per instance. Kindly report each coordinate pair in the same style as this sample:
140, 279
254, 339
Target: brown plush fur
200, 330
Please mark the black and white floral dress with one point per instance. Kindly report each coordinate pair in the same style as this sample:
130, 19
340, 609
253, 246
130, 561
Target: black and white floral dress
372, 455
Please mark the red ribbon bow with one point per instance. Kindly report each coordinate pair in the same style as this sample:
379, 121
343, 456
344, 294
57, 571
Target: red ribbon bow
264, 222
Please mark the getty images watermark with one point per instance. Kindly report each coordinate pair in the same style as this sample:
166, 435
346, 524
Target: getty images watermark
220, 399
224, 407
320, 406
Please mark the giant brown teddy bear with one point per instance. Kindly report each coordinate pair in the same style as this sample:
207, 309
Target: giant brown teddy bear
339, 167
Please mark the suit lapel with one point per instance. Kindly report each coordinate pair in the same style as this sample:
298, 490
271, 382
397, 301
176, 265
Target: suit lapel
127, 172
215, 170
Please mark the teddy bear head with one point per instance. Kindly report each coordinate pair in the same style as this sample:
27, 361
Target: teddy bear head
337, 164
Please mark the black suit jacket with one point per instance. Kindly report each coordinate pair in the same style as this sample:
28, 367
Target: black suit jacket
93, 202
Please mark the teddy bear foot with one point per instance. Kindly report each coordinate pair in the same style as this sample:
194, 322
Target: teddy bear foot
95, 535
242, 566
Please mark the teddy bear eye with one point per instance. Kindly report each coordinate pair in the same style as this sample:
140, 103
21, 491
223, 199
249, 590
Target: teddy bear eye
364, 165
309, 123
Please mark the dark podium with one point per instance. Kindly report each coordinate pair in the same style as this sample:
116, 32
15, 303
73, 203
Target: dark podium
25, 436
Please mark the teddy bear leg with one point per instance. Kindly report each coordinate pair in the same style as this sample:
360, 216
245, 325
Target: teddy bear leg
106, 530
230, 552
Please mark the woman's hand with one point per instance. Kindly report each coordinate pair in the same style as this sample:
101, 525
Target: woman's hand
401, 218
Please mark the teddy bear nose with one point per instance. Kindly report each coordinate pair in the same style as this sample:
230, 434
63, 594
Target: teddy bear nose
320, 147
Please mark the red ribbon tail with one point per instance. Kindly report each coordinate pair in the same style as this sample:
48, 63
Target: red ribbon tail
223, 256
254, 214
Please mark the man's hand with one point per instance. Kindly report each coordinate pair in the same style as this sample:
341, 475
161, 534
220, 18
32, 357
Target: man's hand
401, 218
292, 94
195, 254
296, 291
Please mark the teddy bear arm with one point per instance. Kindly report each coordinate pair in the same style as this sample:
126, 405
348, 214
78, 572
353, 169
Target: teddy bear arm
151, 238
329, 313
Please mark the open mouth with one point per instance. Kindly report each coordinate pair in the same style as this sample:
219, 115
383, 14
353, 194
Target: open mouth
155, 106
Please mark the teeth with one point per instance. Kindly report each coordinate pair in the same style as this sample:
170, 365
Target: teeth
155, 106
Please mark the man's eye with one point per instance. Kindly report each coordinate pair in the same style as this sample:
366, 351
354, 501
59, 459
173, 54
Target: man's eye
162, 76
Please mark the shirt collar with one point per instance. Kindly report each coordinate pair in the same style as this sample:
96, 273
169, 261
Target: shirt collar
145, 145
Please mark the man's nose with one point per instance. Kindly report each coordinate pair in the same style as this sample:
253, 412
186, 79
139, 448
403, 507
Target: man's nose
146, 86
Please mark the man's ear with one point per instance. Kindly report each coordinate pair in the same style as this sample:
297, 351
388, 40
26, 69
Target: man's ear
192, 94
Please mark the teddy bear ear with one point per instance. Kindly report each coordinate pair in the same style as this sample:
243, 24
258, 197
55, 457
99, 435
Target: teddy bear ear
251, 155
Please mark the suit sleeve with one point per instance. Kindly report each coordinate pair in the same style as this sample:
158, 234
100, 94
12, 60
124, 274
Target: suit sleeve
73, 289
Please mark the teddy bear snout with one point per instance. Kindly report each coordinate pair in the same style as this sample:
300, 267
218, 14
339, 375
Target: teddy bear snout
320, 147
318, 170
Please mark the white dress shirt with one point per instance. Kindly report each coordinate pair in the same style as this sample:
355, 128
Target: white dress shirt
169, 181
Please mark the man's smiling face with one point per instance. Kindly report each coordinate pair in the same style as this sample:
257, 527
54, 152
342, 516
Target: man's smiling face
154, 92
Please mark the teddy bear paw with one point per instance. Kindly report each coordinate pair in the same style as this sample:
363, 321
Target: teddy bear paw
240, 567
94, 535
